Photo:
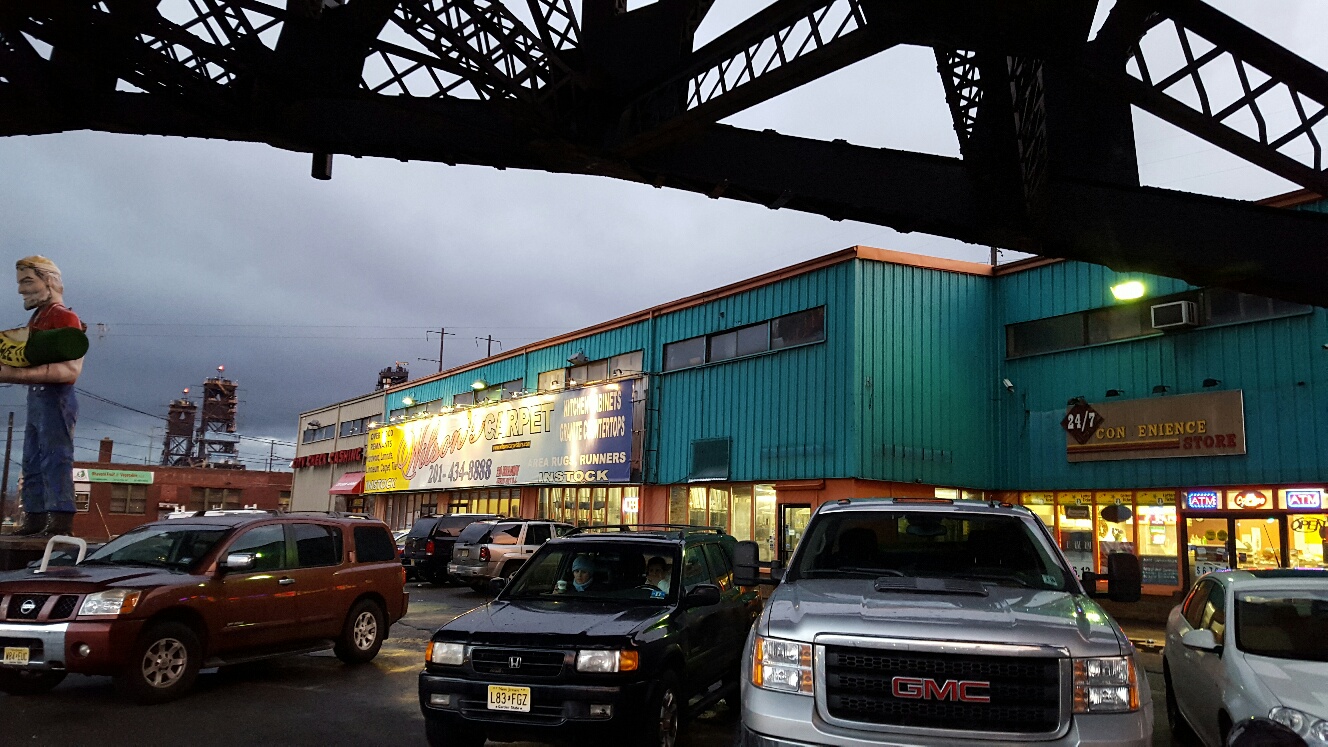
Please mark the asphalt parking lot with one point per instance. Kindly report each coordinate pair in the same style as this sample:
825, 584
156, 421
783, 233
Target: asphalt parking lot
303, 700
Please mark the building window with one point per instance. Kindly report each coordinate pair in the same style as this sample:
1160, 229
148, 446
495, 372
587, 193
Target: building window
128, 499
81, 501
551, 381
1045, 335
745, 511
627, 364
355, 427
590, 506
312, 435
213, 499
1119, 323
501, 501
1223, 306
790, 330
283, 500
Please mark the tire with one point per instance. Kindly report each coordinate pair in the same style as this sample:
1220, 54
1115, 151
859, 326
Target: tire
163, 665
28, 681
363, 633
1180, 728
663, 716
440, 733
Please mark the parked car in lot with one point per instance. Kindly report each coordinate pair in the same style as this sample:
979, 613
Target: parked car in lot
1249, 644
619, 635
429, 544
156, 604
938, 622
487, 550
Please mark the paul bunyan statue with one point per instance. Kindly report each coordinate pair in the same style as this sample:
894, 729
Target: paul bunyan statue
47, 355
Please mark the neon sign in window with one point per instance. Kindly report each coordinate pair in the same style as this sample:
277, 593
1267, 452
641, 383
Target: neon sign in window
1309, 498
1203, 500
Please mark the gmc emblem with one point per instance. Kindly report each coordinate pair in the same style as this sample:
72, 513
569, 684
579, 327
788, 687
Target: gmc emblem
920, 688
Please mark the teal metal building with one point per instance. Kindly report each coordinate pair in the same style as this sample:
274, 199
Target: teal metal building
869, 372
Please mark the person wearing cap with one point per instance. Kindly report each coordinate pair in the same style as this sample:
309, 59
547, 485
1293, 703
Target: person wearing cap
48, 439
583, 573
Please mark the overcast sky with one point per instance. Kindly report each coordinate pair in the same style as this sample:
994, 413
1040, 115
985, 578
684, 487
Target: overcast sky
195, 253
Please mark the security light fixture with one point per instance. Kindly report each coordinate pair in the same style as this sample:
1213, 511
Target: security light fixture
1115, 392
579, 359
1128, 290
1210, 383
479, 384
1160, 389
1009, 385
407, 401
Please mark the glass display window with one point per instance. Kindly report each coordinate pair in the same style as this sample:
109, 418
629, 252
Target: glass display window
631, 505
1258, 543
614, 507
1158, 540
763, 521
1075, 518
1207, 549
696, 507
1115, 524
742, 512
1043, 506
719, 508
1308, 535
599, 506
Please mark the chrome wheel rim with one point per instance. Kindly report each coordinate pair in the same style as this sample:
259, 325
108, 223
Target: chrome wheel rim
164, 662
365, 631
668, 719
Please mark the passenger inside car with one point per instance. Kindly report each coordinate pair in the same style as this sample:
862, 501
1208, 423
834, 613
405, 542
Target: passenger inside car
658, 573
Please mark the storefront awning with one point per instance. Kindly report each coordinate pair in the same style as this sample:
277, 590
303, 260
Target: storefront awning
351, 483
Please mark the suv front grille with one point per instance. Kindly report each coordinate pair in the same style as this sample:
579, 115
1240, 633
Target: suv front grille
530, 663
873, 686
26, 606
64, 607
539, 714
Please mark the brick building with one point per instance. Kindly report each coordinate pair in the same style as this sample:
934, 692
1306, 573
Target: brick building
114, 498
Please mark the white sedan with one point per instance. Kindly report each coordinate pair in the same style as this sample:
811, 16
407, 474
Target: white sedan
1249, 644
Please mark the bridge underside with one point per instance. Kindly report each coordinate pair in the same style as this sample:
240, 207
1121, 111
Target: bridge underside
1042, 111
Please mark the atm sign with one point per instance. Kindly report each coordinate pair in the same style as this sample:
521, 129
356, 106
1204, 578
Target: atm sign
1302, 499
1202, 499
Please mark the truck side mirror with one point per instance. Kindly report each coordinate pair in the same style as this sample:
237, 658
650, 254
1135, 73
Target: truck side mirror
1124, 577
238, 561
747, 566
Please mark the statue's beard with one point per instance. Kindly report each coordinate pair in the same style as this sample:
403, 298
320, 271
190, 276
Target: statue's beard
33, 302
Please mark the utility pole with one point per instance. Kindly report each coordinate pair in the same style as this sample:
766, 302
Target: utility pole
491, 341
442, 337
271, 447
4, 481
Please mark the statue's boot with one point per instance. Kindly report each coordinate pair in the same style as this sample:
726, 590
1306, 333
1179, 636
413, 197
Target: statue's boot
33, 523
59, 522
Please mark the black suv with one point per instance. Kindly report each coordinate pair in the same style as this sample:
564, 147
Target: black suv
429, 544
609, 632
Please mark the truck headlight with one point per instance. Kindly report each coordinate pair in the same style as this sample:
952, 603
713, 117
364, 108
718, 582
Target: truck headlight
1105, 685
1311, 729
780, 665
113, 602
607, 661
447, 654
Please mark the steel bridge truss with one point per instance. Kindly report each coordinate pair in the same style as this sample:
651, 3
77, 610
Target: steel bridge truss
1041, 107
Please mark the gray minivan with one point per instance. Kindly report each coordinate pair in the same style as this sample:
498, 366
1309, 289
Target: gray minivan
496, 549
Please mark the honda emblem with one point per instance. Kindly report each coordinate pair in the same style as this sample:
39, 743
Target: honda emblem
514, 662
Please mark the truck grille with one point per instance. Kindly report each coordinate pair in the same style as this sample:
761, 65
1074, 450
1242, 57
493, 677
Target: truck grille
539, 714
25, 606
530, 663
64, 607
922, 690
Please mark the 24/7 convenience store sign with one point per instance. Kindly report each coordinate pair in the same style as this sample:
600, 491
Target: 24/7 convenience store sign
579, 437
1186, 425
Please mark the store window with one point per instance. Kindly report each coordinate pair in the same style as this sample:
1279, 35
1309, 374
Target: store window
1115, 525
211, 499
1207, 545
1043, 506
590, 506
1308, 535
1074, 511
742, 512
1258, 543
1158, 542
283, 500
696, 507
763, 521
82, 500
128, 499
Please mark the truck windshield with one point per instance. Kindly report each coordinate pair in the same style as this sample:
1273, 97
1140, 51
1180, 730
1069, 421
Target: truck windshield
173, 546
617, 573
1001, 550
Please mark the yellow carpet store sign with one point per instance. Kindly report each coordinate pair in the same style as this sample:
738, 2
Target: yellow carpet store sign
581, 437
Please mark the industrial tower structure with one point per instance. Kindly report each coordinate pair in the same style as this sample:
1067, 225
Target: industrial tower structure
216, 427
178, 447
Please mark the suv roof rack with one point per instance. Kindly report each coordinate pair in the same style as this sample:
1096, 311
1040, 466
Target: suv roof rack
680, 530
330, 514
228, 512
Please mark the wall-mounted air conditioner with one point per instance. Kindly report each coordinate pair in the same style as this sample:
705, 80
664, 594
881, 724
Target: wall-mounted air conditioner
1175, 315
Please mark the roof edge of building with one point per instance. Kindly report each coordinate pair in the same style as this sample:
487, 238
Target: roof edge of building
350, 401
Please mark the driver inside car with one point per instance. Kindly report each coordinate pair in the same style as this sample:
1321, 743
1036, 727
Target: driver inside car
657, 573
583, 574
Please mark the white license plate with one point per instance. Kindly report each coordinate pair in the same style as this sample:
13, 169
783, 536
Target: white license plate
503, 698
465, 553
18, 656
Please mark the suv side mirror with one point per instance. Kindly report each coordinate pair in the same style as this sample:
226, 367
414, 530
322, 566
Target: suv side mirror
701, 595
1124, 578
238, 561
747, 566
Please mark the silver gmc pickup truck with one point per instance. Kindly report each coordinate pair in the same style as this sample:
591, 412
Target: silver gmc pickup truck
934, 622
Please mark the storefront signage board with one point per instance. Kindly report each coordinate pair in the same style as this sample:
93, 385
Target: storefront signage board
1249, 500
123, 476
343, 456
579, 437
1186, 425
1203, 500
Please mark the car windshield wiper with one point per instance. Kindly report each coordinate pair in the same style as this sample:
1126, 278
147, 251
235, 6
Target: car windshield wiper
995, 578
857, 571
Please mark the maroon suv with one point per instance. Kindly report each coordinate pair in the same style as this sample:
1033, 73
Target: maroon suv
155, 605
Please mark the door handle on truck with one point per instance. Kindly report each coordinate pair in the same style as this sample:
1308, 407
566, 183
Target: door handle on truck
287, 581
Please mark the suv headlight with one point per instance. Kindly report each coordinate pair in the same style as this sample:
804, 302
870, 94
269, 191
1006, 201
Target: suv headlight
1310, 728
780, 665
447, 654
607, 661
113, 602
1105, 685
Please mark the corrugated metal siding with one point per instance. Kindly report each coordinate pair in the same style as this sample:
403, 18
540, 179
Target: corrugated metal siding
1066, 287
787, 412
924, 375
1286, 421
